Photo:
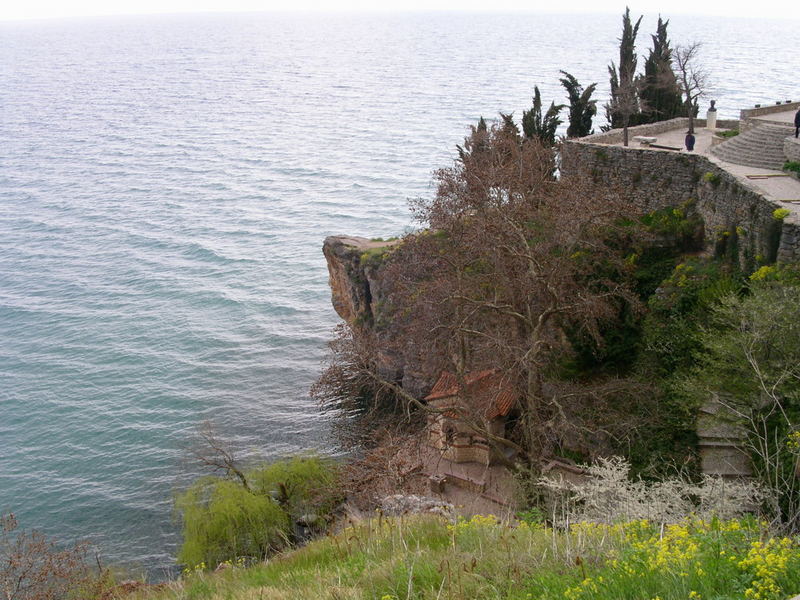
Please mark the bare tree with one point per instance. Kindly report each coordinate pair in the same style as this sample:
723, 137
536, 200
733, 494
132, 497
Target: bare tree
513, 262
32, 567
693, 78
215, 453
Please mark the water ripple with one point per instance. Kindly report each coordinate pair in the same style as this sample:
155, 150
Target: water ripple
166, 185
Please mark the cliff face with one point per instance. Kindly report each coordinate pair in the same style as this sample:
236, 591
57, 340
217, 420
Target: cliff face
352, 292
360, 293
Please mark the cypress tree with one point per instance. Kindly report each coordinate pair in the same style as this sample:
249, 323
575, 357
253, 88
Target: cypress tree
660, 94
534, 124
623, 109
581, 108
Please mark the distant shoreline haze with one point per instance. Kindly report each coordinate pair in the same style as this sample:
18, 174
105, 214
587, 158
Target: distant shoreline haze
50, 9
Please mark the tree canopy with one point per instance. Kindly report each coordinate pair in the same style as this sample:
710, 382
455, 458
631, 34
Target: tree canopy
582, 108
660, 93
511, 266
624, 106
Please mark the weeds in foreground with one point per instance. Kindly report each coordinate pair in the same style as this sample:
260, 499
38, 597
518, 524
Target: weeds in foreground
427, 558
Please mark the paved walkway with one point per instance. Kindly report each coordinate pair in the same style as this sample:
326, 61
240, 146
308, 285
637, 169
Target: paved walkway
786, 117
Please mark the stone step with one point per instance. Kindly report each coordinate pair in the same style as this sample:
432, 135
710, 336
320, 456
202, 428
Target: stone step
761, 146
752, 162
754, 152
768, 150
752, 156
774, 164
771, 152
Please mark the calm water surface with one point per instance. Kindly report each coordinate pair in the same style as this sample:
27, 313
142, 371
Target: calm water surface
165, 187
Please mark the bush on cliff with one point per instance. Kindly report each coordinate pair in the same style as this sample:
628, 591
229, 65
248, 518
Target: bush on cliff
35, 567
750, 359
302, 485
226, 520
223, 521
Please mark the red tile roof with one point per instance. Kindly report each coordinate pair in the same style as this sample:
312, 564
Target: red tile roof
484, 389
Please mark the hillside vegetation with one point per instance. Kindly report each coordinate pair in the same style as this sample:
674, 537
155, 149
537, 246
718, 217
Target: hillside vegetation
427, 557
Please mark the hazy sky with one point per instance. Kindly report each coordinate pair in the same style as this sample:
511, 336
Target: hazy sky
33, 9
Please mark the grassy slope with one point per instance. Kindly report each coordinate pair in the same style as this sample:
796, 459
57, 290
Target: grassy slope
425, 558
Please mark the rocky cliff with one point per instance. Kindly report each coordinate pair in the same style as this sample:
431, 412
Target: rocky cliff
353, 286
360, 292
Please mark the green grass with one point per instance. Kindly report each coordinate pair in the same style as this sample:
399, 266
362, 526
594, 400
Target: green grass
426, 558
728, 134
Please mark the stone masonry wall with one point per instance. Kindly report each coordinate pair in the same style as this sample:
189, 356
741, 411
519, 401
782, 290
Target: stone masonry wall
791, 148
737, 218
746, 113
615, 136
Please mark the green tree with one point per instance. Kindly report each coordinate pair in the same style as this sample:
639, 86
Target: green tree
224, 521
660, 93
581, 107
538, 125
750, 360
249, 515
624, 107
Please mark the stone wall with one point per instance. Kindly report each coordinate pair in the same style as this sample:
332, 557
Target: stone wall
615, 136
737, 218
727, 123
747, 113
721, 441
463, 447
791, 148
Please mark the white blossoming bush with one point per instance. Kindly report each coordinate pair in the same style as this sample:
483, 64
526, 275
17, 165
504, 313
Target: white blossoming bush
609, 495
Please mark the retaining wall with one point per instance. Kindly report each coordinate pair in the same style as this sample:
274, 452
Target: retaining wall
615, 136
791, 149
746, 113
738, 220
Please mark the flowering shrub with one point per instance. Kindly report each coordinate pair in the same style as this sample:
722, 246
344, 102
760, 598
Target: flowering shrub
692, 559
609, 495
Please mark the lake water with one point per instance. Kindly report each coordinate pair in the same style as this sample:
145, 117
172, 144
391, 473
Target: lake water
165, 187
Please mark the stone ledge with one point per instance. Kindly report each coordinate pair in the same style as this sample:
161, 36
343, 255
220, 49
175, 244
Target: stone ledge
747, 113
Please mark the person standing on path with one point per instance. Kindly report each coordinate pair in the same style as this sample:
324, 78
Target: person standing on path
797, 122
689, 141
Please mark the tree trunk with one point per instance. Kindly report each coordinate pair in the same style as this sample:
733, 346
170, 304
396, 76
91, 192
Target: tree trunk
625, 120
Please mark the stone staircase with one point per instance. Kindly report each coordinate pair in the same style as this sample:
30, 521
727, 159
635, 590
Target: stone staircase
761, 146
